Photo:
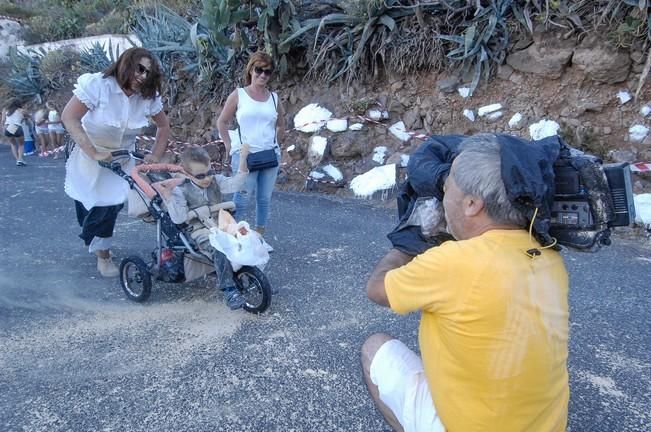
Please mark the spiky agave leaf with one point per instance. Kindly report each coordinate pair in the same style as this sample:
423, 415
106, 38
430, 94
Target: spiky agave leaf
484, 39
25, 79
94, 58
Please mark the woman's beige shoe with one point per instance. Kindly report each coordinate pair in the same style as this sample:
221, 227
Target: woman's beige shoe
106, 267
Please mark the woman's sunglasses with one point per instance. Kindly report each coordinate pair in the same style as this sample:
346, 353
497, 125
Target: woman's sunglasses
203, 175
258, 70
142, 70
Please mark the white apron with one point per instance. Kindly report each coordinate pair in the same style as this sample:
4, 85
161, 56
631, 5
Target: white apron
88, 182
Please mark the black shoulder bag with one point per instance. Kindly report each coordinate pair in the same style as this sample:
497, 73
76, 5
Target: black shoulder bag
263, 159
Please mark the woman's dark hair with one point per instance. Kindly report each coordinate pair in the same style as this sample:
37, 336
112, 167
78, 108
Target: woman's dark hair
124, 70
258, 59
13, 105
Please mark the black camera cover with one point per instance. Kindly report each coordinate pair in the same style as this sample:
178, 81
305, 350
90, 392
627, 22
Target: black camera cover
563, 192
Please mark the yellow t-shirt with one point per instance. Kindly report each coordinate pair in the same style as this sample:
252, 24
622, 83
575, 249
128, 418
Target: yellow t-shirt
493, 332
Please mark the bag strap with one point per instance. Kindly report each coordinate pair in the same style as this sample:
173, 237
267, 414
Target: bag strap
275, 126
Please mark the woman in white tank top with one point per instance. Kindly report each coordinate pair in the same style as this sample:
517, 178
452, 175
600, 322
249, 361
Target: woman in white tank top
12, 119
261, 125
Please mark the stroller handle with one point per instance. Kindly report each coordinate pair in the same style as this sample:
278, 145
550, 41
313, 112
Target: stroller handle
116, 166
129, 153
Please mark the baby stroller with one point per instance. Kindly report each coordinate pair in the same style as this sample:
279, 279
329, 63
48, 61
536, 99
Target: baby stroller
176, 257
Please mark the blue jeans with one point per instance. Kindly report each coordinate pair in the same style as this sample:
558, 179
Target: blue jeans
262, 184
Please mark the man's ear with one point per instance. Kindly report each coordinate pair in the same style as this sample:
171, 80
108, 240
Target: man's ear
472, 205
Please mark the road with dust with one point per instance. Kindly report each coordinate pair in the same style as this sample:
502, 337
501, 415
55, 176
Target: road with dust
75, 355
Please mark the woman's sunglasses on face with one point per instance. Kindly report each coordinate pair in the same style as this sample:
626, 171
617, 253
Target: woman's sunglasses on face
258, 70
142, 70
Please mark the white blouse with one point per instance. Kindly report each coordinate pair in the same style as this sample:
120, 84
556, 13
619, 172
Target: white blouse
112, 123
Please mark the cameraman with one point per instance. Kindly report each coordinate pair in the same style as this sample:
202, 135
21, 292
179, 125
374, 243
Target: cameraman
494, 325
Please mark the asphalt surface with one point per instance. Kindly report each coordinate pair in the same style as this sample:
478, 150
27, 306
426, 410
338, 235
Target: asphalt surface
76, 355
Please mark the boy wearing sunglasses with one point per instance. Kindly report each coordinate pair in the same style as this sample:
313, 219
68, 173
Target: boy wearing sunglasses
203, 187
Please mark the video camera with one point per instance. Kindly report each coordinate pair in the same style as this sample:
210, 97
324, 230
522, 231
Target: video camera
590, 198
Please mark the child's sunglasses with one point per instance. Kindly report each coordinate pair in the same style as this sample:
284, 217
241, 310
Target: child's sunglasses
258, 70
203, 175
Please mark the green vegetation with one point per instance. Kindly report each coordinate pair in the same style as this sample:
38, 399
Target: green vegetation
206, 42
24, 78
10, 9
95, 59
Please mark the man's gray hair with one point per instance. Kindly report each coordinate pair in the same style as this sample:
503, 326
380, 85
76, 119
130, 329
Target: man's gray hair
477, 172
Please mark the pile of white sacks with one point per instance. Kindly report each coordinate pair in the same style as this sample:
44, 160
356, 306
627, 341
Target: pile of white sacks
313, 118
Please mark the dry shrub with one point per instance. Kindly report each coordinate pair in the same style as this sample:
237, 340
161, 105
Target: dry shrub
412, 49
60, 68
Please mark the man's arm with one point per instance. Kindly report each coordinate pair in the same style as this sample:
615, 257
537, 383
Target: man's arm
375, 288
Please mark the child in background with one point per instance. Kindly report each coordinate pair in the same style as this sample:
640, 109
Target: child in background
12, 119
42, 131
202, 187
55, 127
28, 130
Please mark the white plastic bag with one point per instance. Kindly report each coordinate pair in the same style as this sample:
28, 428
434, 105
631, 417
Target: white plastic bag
243, 249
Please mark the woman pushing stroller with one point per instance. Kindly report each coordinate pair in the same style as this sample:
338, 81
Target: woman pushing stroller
203, 188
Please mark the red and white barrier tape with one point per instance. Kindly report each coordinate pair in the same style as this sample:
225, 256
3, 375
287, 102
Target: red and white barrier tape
641, 167
173, 144
18, 20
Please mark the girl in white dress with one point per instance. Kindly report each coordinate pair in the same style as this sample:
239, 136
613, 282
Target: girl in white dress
55, 127
106, 113
12, 119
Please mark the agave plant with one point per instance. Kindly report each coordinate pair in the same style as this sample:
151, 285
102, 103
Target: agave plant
213, 58
96, 58
276, 22
353, 45
484, 39
167, 35
25, 79
220, 19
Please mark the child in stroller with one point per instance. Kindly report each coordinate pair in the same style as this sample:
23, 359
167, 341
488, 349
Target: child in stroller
202, 188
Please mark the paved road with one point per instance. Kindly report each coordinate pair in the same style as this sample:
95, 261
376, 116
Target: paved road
75, 355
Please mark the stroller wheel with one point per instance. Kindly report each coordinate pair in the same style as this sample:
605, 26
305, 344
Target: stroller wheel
255, 287
135, 278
